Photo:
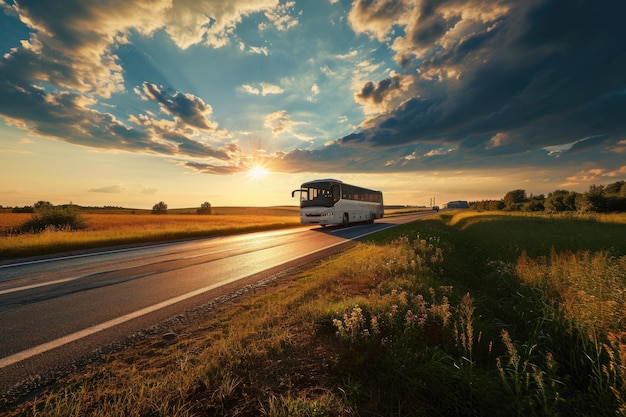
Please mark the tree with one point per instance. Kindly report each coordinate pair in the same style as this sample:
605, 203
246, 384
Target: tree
593, 200
561, 200
42, 205
159, 208
615, 188
25, 209
205, 208
514, 198
535, 203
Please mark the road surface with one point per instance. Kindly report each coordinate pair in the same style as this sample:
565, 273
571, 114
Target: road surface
55, 310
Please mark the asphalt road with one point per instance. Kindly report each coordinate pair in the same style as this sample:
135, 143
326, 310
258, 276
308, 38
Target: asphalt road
54, 310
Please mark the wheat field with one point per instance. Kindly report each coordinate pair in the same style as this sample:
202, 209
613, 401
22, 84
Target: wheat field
107, 229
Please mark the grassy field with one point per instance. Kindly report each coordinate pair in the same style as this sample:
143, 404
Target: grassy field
118, 226
123, 226
463, 314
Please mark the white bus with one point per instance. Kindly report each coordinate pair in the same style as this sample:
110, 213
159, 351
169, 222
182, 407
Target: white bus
331, 201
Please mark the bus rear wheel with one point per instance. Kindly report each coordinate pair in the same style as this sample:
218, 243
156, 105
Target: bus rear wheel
346, 220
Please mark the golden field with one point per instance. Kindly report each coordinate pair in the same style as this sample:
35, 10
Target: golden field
140, 226
119, 226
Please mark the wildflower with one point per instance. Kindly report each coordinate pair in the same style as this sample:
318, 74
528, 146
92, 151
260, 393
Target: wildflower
409, 317
394, 310
374, 325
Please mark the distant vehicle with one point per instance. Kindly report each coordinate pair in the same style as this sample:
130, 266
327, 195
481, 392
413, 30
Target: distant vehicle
329, 201
456, 204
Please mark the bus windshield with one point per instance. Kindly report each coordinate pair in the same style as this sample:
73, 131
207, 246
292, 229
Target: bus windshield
324, 194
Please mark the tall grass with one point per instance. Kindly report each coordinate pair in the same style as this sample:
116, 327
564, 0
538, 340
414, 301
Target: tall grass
586, 293
554, 320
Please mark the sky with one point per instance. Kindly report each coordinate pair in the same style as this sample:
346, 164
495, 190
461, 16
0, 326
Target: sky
237, 102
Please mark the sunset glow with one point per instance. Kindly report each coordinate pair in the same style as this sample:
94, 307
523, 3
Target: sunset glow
466, 100
257, 172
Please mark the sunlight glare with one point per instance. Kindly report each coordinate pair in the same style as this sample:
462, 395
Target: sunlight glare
257, 172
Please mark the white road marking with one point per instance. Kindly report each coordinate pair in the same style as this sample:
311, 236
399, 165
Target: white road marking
41, 284
84, 255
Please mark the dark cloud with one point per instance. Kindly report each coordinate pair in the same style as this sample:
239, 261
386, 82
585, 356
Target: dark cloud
377, 93
205, 168
338, 158
415, 120
473, 153
544, 73
586, 144
193, 148
376, 16
431, 24
187, 108
68, 117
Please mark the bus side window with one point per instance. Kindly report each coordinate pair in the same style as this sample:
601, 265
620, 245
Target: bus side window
336, 193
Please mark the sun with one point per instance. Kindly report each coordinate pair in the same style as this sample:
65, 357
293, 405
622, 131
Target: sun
257, 172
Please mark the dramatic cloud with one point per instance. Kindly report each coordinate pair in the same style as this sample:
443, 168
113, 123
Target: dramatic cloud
377, 97
52, 82
536, 73
69, 117
377, 17
211, 22
185, 108
429, 84
71, 45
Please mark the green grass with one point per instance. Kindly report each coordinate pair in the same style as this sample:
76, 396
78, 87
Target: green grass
461, 314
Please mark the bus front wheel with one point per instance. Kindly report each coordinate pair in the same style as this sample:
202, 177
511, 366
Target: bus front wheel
346, 220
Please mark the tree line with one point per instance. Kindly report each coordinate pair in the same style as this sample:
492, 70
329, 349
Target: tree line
161, 208
44, 206
598, 199
66, 217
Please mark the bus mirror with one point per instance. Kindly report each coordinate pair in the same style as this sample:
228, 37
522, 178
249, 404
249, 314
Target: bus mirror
293, 193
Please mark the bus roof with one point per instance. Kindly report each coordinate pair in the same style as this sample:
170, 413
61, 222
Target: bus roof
323, 180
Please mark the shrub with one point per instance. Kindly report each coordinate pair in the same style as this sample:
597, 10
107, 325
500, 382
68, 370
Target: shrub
25, 209
205, 208
159, 208
53, 218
